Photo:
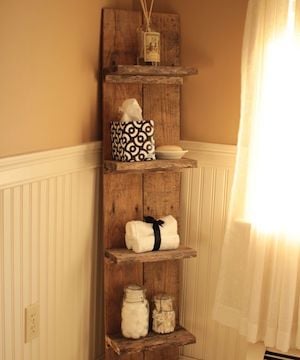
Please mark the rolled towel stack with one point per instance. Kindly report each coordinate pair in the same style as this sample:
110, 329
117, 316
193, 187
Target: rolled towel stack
140, 237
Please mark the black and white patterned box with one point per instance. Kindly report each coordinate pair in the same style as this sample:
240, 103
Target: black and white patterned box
133, 141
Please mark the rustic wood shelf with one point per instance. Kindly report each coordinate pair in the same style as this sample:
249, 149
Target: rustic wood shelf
133, 189
127, 256
153, 341
145, 166
148, 74
152, 70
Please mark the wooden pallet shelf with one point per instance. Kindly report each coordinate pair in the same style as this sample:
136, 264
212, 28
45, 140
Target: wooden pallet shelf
153, 341
133, 189
172, 75
120, 256
145, 166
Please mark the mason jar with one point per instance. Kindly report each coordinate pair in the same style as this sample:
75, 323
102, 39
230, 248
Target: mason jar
163, 314
135, 312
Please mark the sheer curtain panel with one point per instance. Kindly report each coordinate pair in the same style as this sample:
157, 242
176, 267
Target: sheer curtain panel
259, 281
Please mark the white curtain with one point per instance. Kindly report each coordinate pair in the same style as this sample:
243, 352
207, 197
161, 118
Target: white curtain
259, 282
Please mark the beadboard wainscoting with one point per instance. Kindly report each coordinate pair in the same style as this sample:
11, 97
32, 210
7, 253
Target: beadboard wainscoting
48, 240
205, 196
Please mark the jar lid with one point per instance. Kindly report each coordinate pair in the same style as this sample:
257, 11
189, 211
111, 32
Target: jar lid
134, 293
163, 302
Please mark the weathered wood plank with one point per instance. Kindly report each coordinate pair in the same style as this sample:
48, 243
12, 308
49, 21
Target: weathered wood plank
161, 194
177, 338
162, 104
113, 97
139, 79
119, 45
152, 70
145, 166
111, 355
170, 352
123, 201
128, 256
169, 27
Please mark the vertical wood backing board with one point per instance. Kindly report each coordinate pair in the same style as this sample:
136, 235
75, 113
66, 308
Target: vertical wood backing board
111, 355
161, 197
113, 97
168, 353
169, 27
119, 45
162, 194
161, 103
123, 201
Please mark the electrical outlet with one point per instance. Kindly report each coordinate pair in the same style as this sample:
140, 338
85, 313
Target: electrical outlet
32, 322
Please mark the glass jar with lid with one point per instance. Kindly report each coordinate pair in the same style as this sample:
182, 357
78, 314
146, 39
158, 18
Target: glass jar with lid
135, 312
163, 314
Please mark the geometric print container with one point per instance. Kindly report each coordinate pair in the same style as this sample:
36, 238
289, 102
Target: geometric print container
132, 141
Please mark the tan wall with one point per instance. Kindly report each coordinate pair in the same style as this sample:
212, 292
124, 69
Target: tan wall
49, 62
211, 40
211, 33
48, 72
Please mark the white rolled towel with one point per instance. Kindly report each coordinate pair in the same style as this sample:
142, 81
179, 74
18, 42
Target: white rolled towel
137, 231
168, 242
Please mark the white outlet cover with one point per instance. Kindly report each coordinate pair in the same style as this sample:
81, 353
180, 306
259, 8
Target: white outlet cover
32, 322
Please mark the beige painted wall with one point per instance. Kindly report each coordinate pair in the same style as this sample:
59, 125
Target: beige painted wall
211, 32
48, 72
49, 62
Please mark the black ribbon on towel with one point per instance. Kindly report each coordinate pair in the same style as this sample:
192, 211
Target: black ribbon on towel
155, 224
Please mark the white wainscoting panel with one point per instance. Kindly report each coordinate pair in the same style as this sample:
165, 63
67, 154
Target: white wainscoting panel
205, 195
48, 249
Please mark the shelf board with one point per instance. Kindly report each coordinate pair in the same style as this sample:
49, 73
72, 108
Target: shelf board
153, 70
119, 256
148, 74
153, 341
145, 166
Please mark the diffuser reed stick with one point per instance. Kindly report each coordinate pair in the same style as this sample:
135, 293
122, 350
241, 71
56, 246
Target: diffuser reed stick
147, 13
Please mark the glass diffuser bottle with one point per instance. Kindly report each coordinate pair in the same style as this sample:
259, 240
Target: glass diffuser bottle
148, 40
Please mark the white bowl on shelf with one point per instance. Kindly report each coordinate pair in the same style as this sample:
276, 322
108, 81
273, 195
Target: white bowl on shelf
170, 154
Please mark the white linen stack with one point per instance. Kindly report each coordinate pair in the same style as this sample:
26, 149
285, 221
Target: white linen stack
140, 238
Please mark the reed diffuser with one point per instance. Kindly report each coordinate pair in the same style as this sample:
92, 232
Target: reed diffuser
148, 39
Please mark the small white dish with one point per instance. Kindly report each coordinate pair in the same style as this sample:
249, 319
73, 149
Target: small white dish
170, 155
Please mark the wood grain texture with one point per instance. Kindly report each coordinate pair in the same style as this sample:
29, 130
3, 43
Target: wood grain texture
170, 352
122, 200
161, 103
112, 355
140, 79
177, 338
119, 45
153, 70
163, 277
128, 256
161, 194
169, 27
146, 166
113, 97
